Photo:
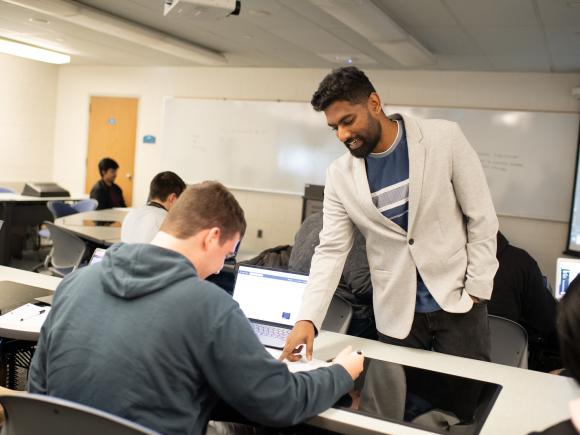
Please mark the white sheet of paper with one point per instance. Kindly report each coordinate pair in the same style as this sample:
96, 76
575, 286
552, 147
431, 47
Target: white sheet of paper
302, 365
27, 317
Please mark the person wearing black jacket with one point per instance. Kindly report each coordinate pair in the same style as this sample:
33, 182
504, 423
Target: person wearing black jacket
355, 283
519, 294
105, 191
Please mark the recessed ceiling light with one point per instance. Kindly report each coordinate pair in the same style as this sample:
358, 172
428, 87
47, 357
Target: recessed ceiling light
38, 20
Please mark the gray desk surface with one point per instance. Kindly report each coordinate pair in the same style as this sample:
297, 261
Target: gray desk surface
14, 197
23, 332
528, 400
81, 225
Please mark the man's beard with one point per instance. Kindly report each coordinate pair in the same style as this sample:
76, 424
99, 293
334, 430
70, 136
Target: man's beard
369, 141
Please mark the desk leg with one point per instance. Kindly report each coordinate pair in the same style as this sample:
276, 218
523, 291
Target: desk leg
6, 216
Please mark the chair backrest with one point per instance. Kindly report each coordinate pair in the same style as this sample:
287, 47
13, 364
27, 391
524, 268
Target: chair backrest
60, 209
31, 414
509, 342
86, 205
6, 190
68, 250
338, 315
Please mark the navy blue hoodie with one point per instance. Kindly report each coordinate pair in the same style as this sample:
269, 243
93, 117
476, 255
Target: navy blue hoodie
141, 336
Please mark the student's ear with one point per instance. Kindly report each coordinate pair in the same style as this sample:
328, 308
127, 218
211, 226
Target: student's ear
374, 103
171, 198
212, 238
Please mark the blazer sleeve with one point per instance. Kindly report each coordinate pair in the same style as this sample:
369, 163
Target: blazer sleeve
336, 239
474, 198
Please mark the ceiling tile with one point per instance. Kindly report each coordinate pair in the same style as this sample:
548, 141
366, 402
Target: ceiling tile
494, 13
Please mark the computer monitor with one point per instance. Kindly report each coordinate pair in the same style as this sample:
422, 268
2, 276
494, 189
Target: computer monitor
566, 270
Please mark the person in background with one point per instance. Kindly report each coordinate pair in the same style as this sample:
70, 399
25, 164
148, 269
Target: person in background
568, 326
355, 283
105, 191
141, 224
155, 343
519, 294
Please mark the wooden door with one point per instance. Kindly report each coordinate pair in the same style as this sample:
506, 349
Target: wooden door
112, 133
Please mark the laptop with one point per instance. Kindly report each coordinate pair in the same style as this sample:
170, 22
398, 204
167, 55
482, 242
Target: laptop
270, 299
566, 271
97, 256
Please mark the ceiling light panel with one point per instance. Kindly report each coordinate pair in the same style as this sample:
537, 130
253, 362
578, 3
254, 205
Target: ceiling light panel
34, 53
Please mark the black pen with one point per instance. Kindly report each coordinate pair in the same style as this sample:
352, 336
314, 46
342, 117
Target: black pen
34, 315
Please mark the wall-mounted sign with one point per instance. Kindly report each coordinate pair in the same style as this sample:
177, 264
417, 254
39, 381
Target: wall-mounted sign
149, 138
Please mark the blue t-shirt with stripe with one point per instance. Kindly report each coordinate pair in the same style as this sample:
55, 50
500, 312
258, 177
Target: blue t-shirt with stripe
388, 177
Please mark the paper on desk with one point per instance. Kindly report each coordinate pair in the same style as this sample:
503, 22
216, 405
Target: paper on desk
26, 317
302, 365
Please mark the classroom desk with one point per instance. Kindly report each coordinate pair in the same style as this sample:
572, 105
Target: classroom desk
20, 210
87, 225
29, 278
528, 400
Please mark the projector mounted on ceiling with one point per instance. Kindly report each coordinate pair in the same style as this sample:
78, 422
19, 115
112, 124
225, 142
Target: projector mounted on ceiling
202, 8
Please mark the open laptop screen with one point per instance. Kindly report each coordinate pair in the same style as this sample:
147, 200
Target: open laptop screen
566, 271
269, 295
98, 255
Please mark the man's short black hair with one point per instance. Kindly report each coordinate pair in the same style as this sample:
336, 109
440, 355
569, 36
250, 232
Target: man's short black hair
343, 84
164, 184
569, 328
106, 164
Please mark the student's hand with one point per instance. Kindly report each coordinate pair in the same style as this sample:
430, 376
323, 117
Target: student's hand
302, 333
351, 361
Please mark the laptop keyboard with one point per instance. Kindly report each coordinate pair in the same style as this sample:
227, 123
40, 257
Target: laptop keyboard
271, 335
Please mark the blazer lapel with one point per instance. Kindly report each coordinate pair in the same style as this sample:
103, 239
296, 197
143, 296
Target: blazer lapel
365, 199
416, 166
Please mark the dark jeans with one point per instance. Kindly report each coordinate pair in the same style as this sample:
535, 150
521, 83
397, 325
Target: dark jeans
460, 334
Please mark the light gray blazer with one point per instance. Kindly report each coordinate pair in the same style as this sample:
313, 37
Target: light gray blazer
451, 238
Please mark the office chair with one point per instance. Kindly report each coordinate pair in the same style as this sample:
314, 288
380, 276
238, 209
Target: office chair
60, 209
31, 414
509, 342
67, 251
338, 315
86, 205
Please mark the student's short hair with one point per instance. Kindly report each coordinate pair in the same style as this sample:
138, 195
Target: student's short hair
164, 184
106, 164
342, 84
203, 206
569, 328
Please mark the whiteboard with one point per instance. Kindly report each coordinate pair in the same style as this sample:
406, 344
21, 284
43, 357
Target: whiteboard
256, 145
528, 157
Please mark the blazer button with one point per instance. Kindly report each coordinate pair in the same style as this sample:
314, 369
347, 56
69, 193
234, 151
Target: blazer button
411, 241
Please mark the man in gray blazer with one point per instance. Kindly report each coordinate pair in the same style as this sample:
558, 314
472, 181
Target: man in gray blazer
417, 192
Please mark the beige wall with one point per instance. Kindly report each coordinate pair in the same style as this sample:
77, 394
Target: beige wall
27, 107
279, 215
